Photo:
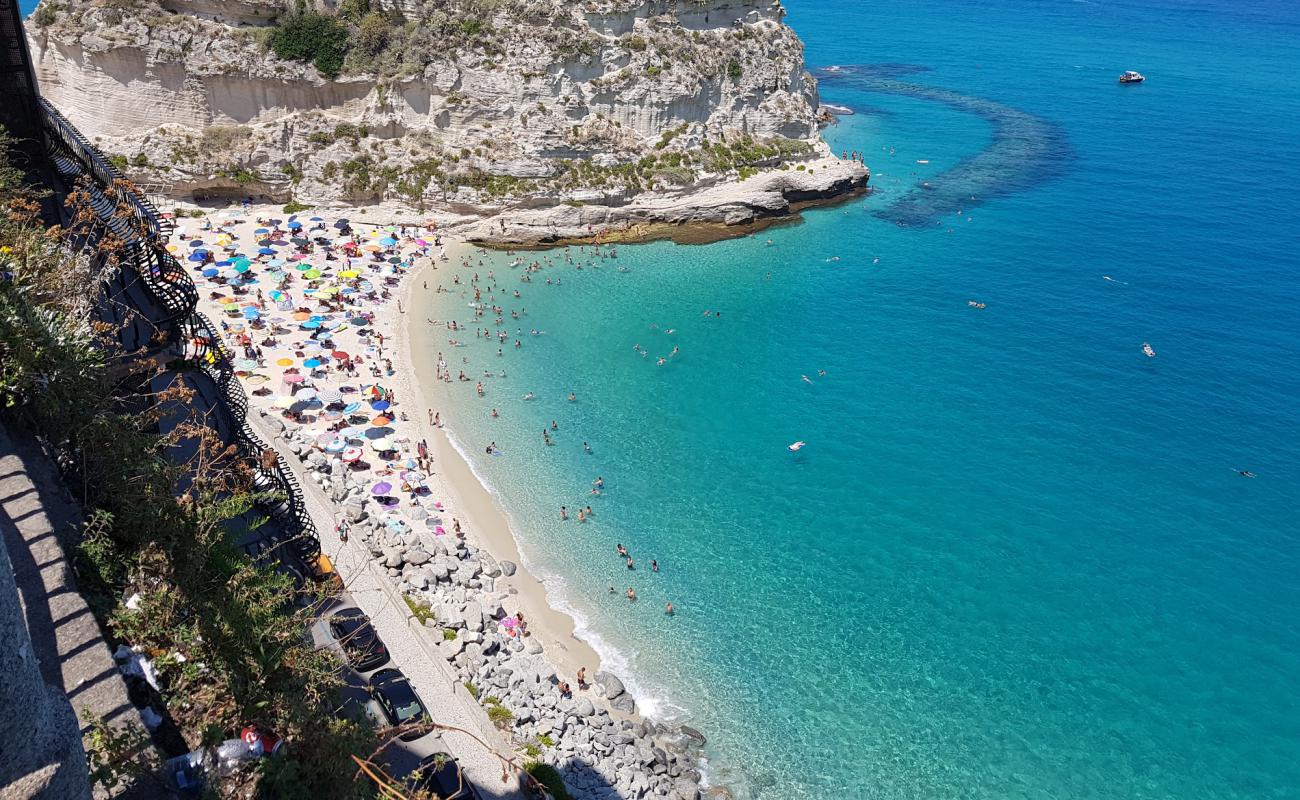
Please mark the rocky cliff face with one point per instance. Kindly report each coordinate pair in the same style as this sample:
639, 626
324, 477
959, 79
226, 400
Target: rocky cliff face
438, 101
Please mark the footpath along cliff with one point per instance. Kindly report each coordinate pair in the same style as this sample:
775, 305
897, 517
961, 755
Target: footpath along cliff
591, 114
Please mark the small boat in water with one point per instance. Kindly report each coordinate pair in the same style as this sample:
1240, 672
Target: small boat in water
1148, 350
1132, 77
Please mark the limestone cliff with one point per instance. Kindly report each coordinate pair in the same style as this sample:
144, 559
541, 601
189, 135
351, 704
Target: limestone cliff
473, 104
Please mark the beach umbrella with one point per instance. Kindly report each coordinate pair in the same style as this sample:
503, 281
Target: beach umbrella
258, 379
336, 446
284, 401
265, 251
310, 324
378, 432
351, 454
330, 395
341, 224
284, 362
311, 274
294, 378
317, 219
388, 242
380, 405
195, 243
305, 393
380, 420
294, 224
349, 273
302, 266
242, 267
260, 231
210, 272
312, 363
332, 415
382, 487
247, 364
251, 313
198, 257
352, 408
383, 445
339, 354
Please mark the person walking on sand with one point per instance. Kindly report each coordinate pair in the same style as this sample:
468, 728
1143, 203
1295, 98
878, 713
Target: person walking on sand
582, 677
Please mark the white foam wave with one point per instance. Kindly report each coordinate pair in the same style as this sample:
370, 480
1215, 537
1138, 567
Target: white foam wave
652, 702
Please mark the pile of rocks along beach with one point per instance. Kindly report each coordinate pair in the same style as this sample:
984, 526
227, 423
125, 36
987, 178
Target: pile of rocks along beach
602, 755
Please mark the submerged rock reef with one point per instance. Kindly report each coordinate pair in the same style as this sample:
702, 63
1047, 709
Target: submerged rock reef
470, 106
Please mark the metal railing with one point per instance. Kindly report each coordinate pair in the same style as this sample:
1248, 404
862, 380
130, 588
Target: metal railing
104, 173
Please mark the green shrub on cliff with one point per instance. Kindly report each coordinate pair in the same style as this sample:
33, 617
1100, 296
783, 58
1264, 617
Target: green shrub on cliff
313, 37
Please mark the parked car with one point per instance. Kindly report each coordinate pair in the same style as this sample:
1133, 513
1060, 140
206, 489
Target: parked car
398, 702
440, 776
321, 570
362, 646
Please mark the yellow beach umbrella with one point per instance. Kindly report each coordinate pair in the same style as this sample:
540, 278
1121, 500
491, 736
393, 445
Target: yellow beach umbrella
349, 273
285, 362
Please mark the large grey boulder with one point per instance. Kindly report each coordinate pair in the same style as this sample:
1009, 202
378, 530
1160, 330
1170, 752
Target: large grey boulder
624, 703
610, 685
508, 568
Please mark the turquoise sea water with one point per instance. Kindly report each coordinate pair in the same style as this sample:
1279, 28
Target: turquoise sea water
1015, 558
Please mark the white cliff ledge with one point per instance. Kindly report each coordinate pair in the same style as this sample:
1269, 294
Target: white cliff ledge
565, 114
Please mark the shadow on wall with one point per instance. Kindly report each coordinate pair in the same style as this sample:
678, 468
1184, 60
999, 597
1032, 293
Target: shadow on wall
1025, 150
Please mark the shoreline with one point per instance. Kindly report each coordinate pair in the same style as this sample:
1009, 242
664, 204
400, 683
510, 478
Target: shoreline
483, 510
472, 585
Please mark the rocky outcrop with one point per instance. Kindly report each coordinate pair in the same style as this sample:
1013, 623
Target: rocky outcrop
509, 99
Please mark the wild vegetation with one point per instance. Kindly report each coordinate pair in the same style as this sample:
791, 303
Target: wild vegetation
227, 636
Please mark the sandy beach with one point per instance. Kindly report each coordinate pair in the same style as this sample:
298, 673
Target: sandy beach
478, 508
326, 320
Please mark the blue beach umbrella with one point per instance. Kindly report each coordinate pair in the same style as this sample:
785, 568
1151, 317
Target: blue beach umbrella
388, 242
380, 405
295, 224
242, 268
317, 219
266, 251
240, 261
262, 230
210, 272
312, 363
343, 223
196, 257
310, 324
251, 313
195, 242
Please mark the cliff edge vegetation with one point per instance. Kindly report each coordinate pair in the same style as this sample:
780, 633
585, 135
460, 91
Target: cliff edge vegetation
460, 104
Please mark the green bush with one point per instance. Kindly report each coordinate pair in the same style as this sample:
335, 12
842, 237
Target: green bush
312, 37
449, 634
734, 70
420, 609
549, 777
472, 689
294, 207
